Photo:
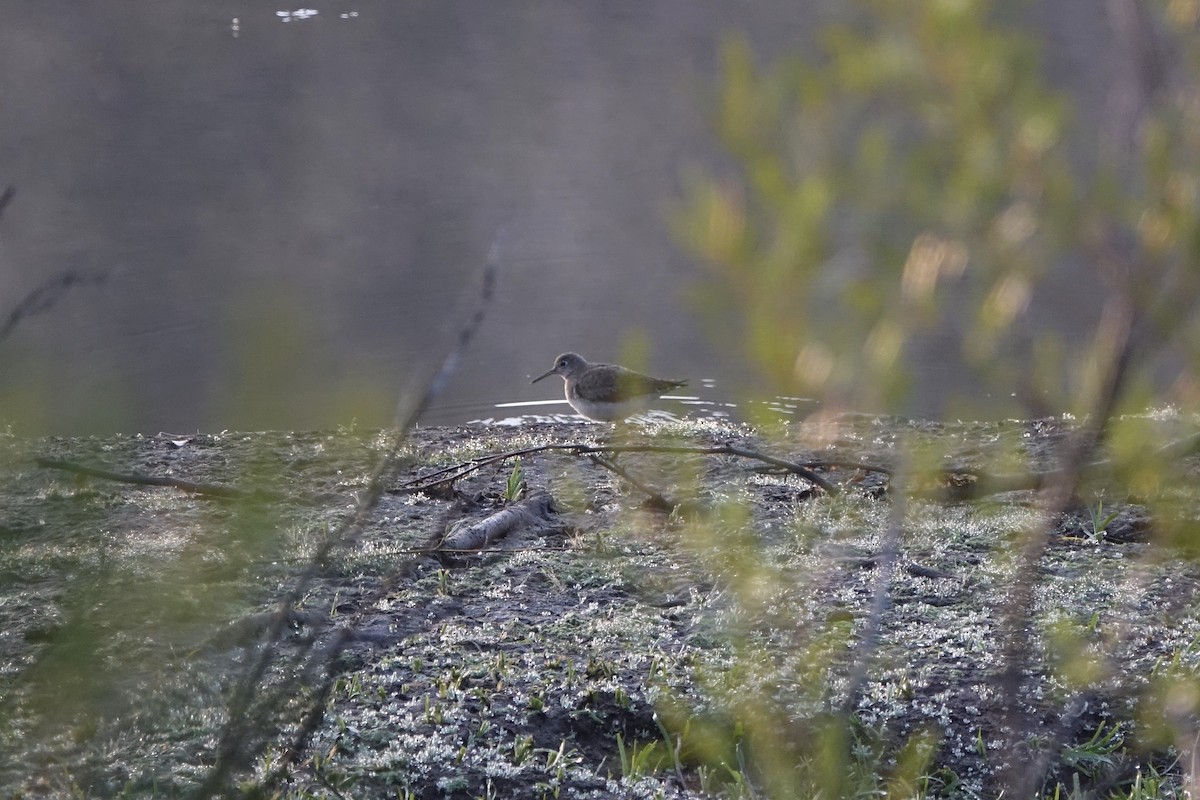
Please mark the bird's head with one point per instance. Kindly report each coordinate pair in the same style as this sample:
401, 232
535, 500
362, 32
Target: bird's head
567, 364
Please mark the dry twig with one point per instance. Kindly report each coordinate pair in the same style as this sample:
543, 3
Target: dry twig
46, 296
244, 716
454, 473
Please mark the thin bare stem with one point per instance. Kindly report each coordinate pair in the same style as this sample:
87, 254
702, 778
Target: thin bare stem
1055, 497
880, 600
231, 749
45, 296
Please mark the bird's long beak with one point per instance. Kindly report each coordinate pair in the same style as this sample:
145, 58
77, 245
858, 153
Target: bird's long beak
539, 377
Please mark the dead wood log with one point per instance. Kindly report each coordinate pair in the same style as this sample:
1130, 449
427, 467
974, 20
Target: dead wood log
530, 511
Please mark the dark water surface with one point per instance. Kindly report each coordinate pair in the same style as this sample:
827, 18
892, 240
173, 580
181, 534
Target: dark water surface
290, 210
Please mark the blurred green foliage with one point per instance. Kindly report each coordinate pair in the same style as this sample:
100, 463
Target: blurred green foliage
919, 174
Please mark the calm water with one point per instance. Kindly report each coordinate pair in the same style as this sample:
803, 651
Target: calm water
290, 210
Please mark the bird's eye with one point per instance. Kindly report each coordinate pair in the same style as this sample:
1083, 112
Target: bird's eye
562, 363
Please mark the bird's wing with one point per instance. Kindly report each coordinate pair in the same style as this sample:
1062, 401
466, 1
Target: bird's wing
632, 384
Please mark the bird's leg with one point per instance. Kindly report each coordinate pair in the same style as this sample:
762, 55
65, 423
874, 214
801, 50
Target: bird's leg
621, 434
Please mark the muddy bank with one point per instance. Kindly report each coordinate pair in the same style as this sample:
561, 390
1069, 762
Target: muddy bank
612, 649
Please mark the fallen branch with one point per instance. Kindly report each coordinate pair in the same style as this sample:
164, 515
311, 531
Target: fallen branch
654, 497
529, 511
958, 484
454, 473
840, 464
210, 489
968, 484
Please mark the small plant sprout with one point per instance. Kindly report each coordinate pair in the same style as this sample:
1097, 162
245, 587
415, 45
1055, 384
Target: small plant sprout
599, 668
351, 686
514, 487
1097, 752
638, 761
558, 759
675, 750
1100, 521
522, 747
434, 715
333, 780
1148, 786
